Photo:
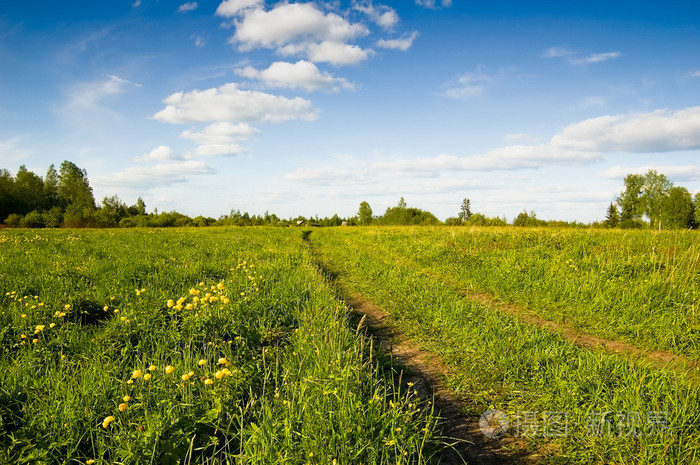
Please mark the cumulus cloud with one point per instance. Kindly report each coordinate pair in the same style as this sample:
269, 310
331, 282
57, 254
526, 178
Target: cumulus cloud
230, 8
300, 28
382, 15
221, 133
402, 44
656, 131
189, 6
160, 153
302, 74
229, 103
217, 150
684, 173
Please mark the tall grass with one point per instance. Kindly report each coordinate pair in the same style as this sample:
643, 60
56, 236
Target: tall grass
181, 346
613, 411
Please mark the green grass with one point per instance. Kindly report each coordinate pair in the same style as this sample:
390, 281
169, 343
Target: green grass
261, 364
495, 361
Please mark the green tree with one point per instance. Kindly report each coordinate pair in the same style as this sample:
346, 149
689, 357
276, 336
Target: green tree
465, 211
401, 204
51, 187
8, 200
365, 214
612, 217
677, 210
73, 187
630, 200
697, 209
29, 190
654, 192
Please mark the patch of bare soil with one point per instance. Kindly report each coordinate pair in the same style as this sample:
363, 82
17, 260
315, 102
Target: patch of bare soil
426, 371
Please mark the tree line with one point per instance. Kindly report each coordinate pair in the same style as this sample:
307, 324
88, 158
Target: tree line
652, 201
64, 198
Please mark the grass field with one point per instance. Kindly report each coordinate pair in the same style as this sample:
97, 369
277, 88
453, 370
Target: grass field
188, 346
227, 345
573, 404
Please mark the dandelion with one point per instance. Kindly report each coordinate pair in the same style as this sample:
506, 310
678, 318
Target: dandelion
24, 315
123, 407
225, 300
131, 381
89, 461
107, 421
202, 362
39, 328
185, 377
105, 308
208, 381
35, 341
147, 376
126, 398
152, 368
220, 286
219, 374
116, 310
136, 374
169, 369
52, 325
242, 294
63, 356
66, 307
222, 361
171, 303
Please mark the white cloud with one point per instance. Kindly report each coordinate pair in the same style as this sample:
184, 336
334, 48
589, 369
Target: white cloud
189, 6
695, 74
136, 4
221, 133
337, 53
229, 103
468, 85
13, 149
432, 3
657, 131
684, 173
575, 58
230, 8
199, 41
382, 15
595, 58
301, 28
217, 150
294, 75
160, 153
402, 44
87, 95
159, 175
326, 177
289, 22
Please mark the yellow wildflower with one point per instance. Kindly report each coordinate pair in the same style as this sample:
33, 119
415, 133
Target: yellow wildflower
185, 377
202, 362
52, 325
107, 421
126, 398
137, 373
208, 381
169, 369
171, 303
66, 307
152, 368
147, 376
123, 407
223, 361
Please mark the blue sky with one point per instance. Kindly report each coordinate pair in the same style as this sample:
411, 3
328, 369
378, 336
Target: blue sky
313, 107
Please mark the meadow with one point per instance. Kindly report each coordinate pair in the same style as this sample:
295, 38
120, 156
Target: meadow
567, 403
234, 345
189, 346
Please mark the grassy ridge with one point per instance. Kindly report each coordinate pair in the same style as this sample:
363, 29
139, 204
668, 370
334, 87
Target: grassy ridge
614, 412
216, 346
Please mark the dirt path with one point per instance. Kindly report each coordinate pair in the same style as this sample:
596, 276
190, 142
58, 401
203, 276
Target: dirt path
426, 371
662, 359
